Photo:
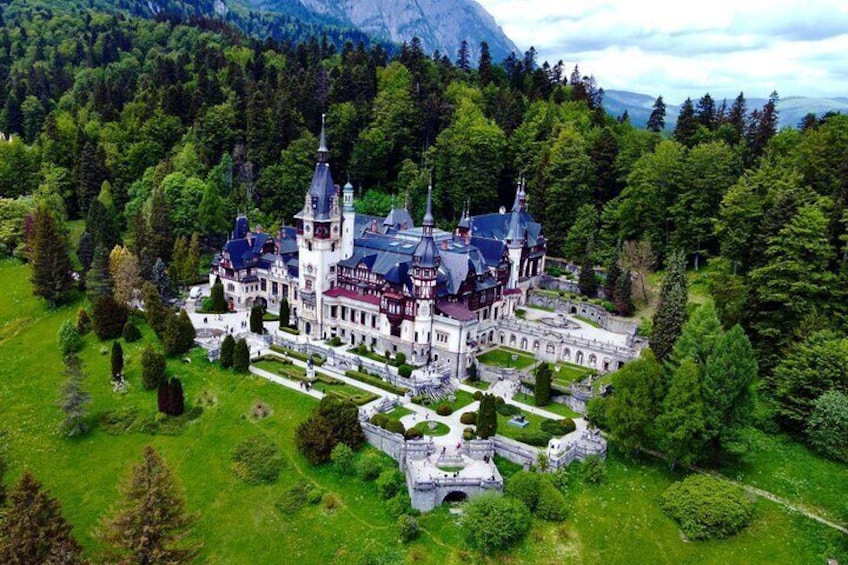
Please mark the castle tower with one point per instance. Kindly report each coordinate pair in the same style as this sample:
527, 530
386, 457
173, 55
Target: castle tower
425, 265
348, 221
516, 235
319, 241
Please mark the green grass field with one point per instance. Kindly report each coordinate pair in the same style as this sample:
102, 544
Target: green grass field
502, 357
617, 522
554, 407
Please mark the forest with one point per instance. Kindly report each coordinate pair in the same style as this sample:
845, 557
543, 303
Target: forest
161, 130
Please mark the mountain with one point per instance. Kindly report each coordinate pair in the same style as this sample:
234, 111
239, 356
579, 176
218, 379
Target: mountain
440, 25
792, 108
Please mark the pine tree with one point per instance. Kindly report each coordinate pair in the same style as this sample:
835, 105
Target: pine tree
219, 303
613, 272
161, 280
256, 314
487, 417
241, 356
153, 366
51, 264
706, 112
159, 224
32, 529
463, 59
484, 65
151, 525
191, 268
656, 121
542, 390
117, 360
687, 124
633, 408
671, 311
285, 313
85, 251
108, 317
74, 400
102, 225
91, 172
156, 314
682, 423
586, 282
171, 399
179, 334
178, 261
698, 336
98, 281
227, 351
728, 390
622, 297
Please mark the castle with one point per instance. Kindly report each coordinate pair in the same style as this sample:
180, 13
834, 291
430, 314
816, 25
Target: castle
383, 282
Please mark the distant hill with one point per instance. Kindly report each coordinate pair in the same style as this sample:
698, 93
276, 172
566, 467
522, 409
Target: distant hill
792, 109
440, 25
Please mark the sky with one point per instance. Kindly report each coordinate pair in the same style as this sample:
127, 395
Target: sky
680, 49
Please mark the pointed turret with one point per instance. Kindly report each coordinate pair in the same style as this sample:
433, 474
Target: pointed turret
323, 152
425, 254
322, 191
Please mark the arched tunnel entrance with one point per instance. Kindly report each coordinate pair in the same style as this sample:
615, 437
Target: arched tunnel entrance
455, 496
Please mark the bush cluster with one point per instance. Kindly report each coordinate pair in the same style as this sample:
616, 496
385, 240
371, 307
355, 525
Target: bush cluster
505, 409
558, 427
478, 394
256, 460
706, 507
413, 433
405, 371
369, 467
468, 418
494, 523
537, 439
444, 409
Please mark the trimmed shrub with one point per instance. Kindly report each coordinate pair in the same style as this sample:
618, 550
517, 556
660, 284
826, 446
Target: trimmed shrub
400, 359
505, 409
131, 332
551, 505
478, 394
706, 507
369, 467
536, 439
558, 427
407, 528
399, 504
444, 409
395, 426
494, 523
413, 433
405, 371
256, 460
331, 501
567, 425
524, 486
468, 418
334, 341
827, 428
379, 419
314, 495
468, 434
108, 317
377, 382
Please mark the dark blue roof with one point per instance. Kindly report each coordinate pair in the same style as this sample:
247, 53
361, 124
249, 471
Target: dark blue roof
242, 253
321, 192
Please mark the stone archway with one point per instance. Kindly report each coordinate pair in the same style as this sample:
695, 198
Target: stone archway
593, 360
579, 358
523, 344
455, 496
566, 354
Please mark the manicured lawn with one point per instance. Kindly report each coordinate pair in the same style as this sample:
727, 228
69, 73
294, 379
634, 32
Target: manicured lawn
440, 430
554, 407
398, 412
461, 399
503, 357
335, 386
480, 385
508, 430
368, 355
585, 320
566, 373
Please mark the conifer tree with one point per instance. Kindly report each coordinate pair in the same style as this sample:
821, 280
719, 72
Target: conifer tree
98, 281
171, 399
682, 423
70, 340
179, 334
108, 317
622, 297
32, 529
159, 224
487, 417
241, 356
153, 366
219, 303
227, 351
117, 360
102, 225
74, 400
256, 314
285, 313
85, 251
542, 390
671, 311
51, 264
687, 124
613, 272
191, 267
698, 336
728, 391
178, 261
156, 314
586, 282
484, 65
161, 280
656, 121
633, 408
151, 524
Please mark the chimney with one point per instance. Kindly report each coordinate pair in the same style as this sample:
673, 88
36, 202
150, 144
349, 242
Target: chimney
444, 244
374, 226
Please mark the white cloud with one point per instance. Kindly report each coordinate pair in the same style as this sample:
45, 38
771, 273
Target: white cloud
726, 46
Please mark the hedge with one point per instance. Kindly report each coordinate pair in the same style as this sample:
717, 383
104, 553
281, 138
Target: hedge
377, 382
317, 360
558, 427
537, 439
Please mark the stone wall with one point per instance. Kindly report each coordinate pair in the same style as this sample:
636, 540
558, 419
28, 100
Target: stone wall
597, 314
389, 443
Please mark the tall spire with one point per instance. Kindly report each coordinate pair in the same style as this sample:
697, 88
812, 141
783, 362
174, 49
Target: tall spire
323, 152
428, 216
517, 205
